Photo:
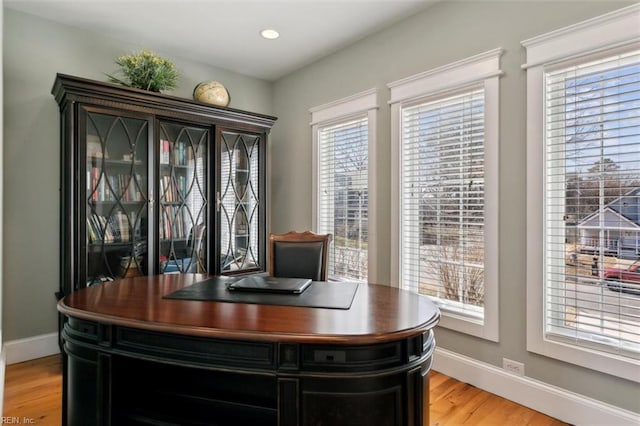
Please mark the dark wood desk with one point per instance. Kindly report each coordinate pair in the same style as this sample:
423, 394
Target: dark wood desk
132, 357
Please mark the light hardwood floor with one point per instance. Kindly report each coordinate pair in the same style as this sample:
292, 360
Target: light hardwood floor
33, 392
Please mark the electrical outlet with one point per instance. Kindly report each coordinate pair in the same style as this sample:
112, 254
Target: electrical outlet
513, 367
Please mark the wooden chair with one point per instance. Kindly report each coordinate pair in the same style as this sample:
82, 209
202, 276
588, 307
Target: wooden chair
299, 255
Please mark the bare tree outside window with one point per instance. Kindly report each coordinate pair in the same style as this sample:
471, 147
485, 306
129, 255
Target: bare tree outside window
344, 200
447, 185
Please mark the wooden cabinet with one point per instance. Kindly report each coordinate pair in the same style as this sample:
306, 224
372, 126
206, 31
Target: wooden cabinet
154, 184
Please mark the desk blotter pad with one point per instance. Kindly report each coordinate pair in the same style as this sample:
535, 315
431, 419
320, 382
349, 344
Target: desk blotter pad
329, 295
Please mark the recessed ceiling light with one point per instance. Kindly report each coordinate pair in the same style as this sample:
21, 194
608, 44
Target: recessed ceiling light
269, 34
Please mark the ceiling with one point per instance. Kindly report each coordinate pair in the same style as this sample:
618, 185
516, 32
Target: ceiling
225, 33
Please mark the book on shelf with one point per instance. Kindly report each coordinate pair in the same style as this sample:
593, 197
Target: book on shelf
164, 151
181, 153
118, 187
175, 223
177, 153
173, 188
116, 228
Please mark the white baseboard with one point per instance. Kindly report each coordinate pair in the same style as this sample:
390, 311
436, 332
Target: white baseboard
31, 348
559, 403
556, 402
3, 363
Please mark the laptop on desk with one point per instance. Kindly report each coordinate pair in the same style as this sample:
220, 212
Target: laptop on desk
266, 284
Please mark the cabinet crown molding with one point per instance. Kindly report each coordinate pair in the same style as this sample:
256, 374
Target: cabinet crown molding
68, 88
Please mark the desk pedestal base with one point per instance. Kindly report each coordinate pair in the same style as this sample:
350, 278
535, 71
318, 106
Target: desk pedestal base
118, 375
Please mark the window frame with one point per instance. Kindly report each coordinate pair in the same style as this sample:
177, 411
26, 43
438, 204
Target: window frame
482, 69
579, 42
359, 105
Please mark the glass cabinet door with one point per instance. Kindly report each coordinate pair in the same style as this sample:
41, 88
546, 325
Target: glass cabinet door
116, 203
182, 196
240, 202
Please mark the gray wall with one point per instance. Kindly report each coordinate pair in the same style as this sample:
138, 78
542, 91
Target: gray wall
34, 51
442, 34
2, 353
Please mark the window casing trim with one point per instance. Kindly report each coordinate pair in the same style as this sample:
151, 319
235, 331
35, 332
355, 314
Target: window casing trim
344, 108
484, 70
584, 40
587, 37
358, 105
446, 78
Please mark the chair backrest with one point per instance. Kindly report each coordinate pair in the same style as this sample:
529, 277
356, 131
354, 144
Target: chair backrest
299, 255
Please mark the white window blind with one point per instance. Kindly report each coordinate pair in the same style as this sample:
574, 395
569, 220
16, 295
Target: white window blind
592, 203
343, 195
442, 199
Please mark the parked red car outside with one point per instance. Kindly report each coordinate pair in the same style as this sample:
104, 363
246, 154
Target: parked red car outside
617, 276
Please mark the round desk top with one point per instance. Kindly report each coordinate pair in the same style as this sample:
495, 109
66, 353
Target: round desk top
378, 313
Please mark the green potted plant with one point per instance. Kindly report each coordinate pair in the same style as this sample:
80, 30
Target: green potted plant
146, 70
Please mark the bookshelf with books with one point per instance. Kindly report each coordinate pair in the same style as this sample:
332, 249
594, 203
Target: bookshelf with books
148, 187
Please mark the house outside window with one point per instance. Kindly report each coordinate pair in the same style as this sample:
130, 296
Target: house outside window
344, 149
445, 182
583, 194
